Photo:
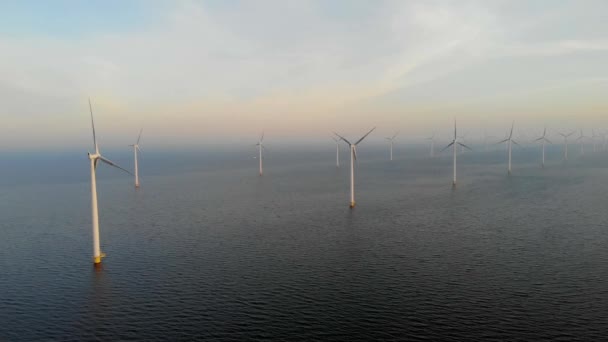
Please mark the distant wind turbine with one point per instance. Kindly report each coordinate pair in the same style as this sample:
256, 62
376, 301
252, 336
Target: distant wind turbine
135, 150
566, 143
593, 136
432, 139
510, 143
353, 157
391, 140
337, 151
582, 138
455, 144
260, 146
544, 140
95, 158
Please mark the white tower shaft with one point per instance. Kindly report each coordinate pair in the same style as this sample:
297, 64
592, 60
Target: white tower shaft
95, 215
337, 154
454, 180
261, 165
543, 164
352, 176
136, 169
510, 149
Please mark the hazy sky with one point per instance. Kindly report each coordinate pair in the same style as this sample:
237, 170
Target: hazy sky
194, 71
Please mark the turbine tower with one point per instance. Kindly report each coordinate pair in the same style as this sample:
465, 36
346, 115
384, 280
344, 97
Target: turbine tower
260, 146
455, 144
566, 144
581, 138
510, 143
544, 140
353, 157
135, 150
593, 137
391, 140
95, 158
432, 139
337, 151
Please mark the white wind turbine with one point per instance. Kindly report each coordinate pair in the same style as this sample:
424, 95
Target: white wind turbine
455, 144
95, 158
566, 143
135, 150
509, 141
353, 157
391, 140
544, 140
593, 137
582, 138
260, 146
432, 139
337, 151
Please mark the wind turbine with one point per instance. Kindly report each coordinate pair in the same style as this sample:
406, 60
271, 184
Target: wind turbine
544, 140
581, 138
260, 146
455, 143
337, 151
432, 139
391, 140
566, 143
353, 157
510, 143
95, 158
135, 150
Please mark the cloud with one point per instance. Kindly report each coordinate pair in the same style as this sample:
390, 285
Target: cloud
307, 62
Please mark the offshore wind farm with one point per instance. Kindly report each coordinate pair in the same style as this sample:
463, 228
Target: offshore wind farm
343, 171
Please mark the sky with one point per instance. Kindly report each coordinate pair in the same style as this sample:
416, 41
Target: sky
222, 71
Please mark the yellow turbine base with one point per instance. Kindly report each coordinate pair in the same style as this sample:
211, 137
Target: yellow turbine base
352, 204
97, 260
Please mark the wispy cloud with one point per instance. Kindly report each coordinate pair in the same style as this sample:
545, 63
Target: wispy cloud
287, 61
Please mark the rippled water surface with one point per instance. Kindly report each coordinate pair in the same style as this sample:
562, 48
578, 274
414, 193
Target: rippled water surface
218, 253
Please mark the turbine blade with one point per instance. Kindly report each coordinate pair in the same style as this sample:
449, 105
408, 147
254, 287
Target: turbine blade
465, 146
343, 138
112, 164
93, 126
394, 136
515, 142
541, 138
355, 152
549, 141
503, 141
139, 137
511, 134
360, 140
445, 148
262, 138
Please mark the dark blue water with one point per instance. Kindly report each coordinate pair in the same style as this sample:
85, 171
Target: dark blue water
208, 250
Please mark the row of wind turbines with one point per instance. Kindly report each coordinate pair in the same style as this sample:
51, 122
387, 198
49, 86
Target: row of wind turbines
456, 143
